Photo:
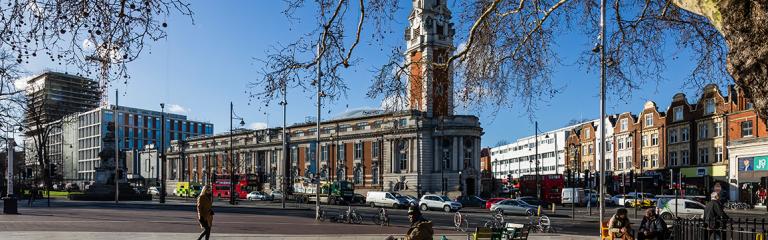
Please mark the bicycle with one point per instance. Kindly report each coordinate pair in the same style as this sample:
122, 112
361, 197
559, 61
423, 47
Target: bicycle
497, 221
460, 223
382, 218
353, 217
541, 224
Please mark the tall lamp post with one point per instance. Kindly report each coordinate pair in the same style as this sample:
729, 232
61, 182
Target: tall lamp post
601, 191
232, 116
161, 152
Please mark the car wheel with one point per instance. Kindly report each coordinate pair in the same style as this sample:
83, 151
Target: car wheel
395, 205
529, 212
666, 216
627, 204
373, 205
423, 207
499, 211
447, 208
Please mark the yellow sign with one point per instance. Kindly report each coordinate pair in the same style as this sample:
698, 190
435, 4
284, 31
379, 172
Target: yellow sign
715, 171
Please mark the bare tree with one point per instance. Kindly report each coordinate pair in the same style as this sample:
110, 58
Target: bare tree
111, 32
506, 52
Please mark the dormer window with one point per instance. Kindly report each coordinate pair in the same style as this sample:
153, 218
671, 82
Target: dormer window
710, 106
649, 120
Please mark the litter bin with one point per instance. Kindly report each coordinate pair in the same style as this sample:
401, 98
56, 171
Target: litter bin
10, 205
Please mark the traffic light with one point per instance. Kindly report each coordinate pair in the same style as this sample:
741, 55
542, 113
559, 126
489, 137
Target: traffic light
631, 178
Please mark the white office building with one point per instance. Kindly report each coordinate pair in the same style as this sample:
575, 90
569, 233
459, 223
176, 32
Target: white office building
518, 158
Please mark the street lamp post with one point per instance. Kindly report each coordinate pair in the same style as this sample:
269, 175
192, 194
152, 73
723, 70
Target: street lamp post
602, 108
161, 152
117, 156
232, 116
286, 164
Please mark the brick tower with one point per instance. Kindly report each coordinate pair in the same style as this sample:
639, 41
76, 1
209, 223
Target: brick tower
429, 40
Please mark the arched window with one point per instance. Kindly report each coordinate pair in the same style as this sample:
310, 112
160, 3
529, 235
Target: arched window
375, 175
358, 175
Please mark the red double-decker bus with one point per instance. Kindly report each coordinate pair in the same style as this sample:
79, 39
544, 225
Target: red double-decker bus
244, 184
551, 186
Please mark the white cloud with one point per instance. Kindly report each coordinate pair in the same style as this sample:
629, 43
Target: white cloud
178, 109
257, 125
21, 83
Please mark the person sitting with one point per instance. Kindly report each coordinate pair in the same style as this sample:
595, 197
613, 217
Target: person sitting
619, 226
652, 226
421, 228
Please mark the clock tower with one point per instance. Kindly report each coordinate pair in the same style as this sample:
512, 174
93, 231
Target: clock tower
429, 40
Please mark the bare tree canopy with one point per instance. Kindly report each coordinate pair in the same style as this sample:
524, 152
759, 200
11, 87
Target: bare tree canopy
506, 53
103, 33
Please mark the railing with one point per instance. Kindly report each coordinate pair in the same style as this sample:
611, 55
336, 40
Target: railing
740, 228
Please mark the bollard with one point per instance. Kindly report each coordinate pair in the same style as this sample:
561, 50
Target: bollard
538, 212
553, 208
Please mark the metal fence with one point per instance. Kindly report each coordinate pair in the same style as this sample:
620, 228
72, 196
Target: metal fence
739, 229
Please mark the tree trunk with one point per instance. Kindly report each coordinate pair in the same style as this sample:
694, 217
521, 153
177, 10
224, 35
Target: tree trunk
745, 28
744, 25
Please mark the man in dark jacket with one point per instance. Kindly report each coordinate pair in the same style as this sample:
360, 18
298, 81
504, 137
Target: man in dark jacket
652, 227
715, 216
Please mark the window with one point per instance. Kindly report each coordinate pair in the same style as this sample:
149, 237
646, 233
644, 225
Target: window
678, 113
375, 175
718, 154
710, 103
655, 139
608, 146
403, 155
361, 125
620, 161
587, 133
358, 151
341, 152
584, 150
644, 141
718, 126
629, 142
655, 160
628, 163
684, 157
673, 158
375, 149
749, 105
703, 131
294, 156
402, 122
684, 134
649, 120
358, 175
746, 128
672, 135
620, 143
591, 148
645, 162
703, 155
624, 124
324, 153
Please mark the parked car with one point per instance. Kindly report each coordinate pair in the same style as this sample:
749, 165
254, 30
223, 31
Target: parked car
358, 198
648, 196
153, 191
628, 200
71, 187
409, 200
532, 201
429, 201
513, 206
276, 195
491, 201
384, 199
685, 208
471, 201
256, 195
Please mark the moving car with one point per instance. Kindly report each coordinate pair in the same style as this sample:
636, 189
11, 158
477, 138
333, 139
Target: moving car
384, 199
430, 201
153, 191
628, 200
256, 195
513, 206
491, 201
532, 201
409, 200
276, 195
471, 201
685, 208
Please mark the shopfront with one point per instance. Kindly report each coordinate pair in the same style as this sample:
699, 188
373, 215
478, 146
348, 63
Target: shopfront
749, 164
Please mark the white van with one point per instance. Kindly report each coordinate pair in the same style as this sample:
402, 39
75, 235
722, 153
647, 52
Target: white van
572, 195
383, 199
685, 208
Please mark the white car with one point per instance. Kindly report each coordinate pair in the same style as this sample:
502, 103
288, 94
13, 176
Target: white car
256, 195
685, 208
276, 195
428, 202
153, 191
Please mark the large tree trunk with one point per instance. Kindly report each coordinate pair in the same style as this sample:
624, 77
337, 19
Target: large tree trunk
744, 25
745, 28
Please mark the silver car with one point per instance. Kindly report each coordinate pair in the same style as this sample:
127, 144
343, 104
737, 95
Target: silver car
513, 206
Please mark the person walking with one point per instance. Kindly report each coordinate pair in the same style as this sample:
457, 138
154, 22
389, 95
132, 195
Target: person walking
619, 226
652, 226
32, 194
714, 216
205, 212
421, 228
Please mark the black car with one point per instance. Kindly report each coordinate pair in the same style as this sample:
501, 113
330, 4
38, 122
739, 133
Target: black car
471, 201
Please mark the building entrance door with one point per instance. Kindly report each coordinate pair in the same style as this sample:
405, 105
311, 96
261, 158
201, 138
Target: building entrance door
469, 184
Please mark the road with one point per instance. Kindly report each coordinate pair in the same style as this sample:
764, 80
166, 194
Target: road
178, 216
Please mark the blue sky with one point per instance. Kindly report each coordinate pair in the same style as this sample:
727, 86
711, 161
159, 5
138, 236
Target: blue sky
200, 68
